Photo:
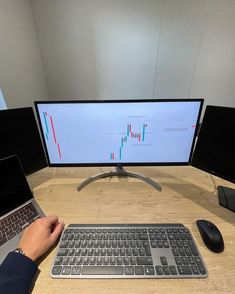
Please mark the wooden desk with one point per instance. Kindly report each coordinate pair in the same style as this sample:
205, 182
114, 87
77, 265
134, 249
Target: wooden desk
187, 194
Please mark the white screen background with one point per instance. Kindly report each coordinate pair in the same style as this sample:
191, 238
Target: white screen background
130, 132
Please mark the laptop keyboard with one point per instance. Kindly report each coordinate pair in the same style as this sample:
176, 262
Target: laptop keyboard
128, 251
15, 223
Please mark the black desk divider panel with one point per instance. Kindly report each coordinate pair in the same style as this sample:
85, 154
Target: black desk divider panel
19, 135
214, 151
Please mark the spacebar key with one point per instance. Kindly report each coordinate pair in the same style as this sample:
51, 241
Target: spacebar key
102, 270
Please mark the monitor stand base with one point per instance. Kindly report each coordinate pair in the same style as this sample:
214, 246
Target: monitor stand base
119, 172
226, 197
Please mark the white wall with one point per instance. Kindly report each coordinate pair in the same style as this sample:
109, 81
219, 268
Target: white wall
114, 49
98, 49
215, 66
22, 78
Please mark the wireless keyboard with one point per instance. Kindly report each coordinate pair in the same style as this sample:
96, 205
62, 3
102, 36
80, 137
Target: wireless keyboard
127, 251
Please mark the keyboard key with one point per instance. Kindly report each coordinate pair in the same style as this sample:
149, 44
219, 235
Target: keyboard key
184, 260
76, 270
56, 270
3, 240
58, 260
159, 270
166, 270
163, 260
149, 270
200, 265
66, 270
184, 270
175, 252
193, 248
64, 244
195, 269
139, 270
191, 260
143, 237
65, 261
173, 269
129, 270
62, 252
147, 248
178, 260
153, 244
144, 260
102, 270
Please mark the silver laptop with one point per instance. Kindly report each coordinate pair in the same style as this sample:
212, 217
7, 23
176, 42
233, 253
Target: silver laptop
18, 208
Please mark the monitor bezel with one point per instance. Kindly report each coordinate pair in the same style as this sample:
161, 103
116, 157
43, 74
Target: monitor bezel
36, 103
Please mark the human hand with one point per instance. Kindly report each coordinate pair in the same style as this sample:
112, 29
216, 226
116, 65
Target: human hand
39, 236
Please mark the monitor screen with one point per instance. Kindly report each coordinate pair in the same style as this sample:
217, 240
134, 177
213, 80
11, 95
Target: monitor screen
2, 101
119, 132
214, 151
20, 136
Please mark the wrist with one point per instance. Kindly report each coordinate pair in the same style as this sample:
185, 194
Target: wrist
25, 253
19, 250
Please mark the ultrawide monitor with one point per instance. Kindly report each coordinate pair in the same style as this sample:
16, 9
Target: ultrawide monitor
20, 136
123, 132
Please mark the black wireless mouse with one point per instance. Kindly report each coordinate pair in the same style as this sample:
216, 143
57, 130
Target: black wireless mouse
211, 235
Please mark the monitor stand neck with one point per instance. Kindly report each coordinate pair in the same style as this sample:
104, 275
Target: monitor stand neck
119, 171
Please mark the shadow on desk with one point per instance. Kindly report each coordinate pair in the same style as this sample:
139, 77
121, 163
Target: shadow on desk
207, 200
201, 197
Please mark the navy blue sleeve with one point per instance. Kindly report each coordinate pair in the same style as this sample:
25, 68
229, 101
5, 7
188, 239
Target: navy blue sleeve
16, 274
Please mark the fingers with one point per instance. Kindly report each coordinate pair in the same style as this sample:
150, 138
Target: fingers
51, 220
57, 231
54, 227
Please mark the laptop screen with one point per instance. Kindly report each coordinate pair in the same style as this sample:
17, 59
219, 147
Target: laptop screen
14, 188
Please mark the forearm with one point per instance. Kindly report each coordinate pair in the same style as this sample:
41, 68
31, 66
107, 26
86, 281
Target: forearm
16, 274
